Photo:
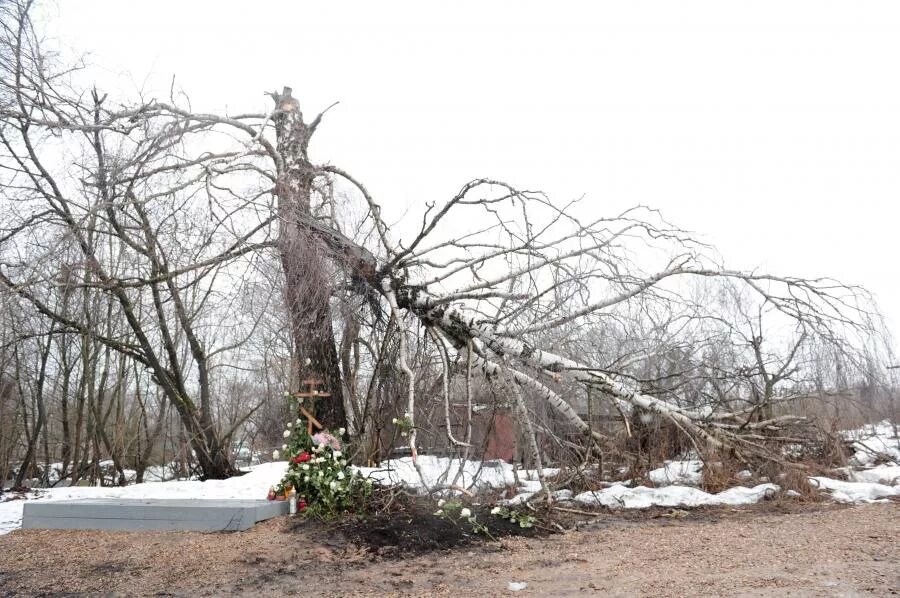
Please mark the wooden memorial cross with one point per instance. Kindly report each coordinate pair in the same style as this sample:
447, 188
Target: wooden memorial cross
312, 392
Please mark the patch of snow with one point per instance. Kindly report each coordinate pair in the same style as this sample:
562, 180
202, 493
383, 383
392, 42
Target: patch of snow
853, 492
883, 428
793, 450
153, 473
888, 475
518, 499
522, 497
515, 586
563, 495
874, 449
681, 473
672, 496
608, 483
874, 442
441, 471
161, 473
529, 486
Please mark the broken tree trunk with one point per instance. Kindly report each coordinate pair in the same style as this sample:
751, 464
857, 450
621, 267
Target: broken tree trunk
307, 275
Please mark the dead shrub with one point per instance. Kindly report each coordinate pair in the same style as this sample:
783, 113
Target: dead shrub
794, 477
720, 472
833, 450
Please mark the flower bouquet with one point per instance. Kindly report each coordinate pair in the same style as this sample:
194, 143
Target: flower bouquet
318, 472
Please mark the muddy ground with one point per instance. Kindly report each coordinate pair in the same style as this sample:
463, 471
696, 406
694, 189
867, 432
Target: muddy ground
772, 549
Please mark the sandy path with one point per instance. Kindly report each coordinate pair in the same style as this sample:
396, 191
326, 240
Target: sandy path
824, 552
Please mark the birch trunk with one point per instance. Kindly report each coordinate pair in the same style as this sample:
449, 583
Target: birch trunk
307, 277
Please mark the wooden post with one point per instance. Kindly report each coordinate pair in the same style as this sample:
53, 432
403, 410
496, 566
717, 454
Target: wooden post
312, 392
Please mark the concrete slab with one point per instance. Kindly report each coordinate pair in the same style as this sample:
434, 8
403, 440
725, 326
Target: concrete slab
150, 514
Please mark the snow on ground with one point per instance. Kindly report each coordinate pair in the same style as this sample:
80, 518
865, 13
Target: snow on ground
675, 480
154, 473
255, 484
867, 482
874, 442
619, 496
852, 492
252, 485
525, 496
442, 471
880, 474
681, 473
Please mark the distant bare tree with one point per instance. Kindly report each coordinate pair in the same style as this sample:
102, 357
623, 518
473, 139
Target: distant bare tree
130, 216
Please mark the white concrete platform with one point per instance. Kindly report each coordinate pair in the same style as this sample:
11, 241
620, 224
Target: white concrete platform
150, 514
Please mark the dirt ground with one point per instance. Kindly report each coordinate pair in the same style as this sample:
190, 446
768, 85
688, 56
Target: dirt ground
768, 550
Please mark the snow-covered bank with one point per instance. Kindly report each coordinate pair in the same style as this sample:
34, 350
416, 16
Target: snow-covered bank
620, 496
674, 481
442, 471
682, 473
880, 474
867, 482
854, 492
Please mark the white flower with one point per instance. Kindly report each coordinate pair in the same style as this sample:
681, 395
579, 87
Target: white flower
465, 513
342, 431
394, 421
336, 454
304, 466
439, 513
320, 474
307, 361
286, 433
284, 447
333, 485
299, 421
287, 393
496, 510
442, 502
290, 425
340, 475
275, 455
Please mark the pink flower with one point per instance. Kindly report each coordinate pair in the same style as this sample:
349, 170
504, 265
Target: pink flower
324, 438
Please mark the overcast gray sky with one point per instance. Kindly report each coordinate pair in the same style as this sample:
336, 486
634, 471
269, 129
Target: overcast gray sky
771, 128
